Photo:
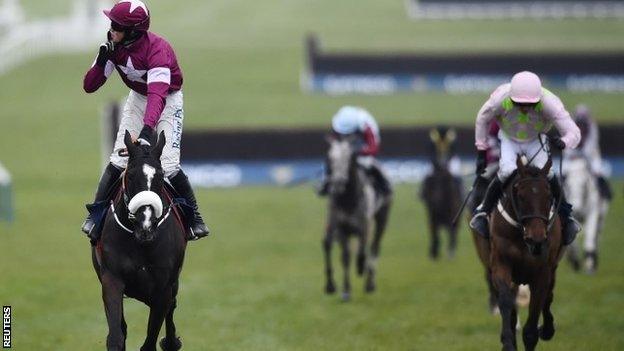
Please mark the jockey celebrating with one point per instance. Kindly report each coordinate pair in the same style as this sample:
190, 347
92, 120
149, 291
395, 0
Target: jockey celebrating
524, 111
147, 64
589, 148
350, 120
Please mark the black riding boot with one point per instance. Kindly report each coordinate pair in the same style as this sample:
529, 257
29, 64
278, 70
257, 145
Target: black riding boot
380, 182
109, 177
570, 227
183, 187
479, 221
478, 192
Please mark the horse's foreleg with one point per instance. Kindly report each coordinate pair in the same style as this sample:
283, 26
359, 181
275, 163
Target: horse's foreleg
171, 342
452, 246
112, 295
501, 277
590, 229
434, 244
346, 261
381, 220
539, 290
158, 309
362, 254
330, 286
547, 330
573, 257
124, 327
493, 296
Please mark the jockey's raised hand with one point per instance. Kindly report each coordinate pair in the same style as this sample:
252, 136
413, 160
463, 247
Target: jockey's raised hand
106, 51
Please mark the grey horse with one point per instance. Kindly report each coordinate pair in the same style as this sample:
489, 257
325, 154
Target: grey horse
354, 210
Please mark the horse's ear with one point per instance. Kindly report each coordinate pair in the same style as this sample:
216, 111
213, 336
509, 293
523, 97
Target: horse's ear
128, 141
160, 144
546, 168
520, 164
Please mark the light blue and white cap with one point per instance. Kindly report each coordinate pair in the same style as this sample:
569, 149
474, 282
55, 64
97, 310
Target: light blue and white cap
347, 120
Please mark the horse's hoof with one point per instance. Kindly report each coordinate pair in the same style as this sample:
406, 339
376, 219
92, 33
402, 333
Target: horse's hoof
370, 287
530, 336
509, 348
546, 332
170, 344
346, 297
330, 288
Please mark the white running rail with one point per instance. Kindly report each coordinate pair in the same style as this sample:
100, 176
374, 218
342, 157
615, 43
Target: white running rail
22, 40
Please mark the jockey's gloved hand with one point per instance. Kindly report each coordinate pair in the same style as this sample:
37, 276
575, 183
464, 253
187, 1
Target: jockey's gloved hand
604, 188
557, 142
481, 161
105, 53
147, 136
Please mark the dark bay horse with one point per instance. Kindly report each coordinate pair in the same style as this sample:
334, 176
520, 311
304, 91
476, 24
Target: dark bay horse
141, 250
442, 194
354, 209
525, 249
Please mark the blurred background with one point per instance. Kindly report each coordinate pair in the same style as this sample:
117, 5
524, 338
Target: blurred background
261, 83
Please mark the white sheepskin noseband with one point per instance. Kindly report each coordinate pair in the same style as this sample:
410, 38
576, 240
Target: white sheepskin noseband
146, 198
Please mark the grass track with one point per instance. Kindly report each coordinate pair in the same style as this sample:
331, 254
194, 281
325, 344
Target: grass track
257, 284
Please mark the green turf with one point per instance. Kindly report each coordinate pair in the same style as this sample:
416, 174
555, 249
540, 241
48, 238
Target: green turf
257, 284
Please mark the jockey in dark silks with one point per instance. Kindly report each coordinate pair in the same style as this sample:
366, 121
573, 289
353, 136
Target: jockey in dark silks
147, 64
350, 120
589, 149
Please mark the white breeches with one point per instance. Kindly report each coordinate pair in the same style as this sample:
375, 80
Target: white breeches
510, 149
170, 122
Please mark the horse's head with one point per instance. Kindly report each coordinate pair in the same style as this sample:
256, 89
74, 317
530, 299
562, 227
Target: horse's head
143, 183
341, 156
532, 202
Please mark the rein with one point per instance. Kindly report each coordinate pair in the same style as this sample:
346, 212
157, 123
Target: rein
518, 214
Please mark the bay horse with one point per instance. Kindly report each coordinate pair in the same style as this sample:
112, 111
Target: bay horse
526, 247
482, 245
354, 209
442, 195
582, 191
141, 250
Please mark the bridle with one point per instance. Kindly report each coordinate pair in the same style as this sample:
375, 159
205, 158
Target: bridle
522, 217
554, 208
131, 217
